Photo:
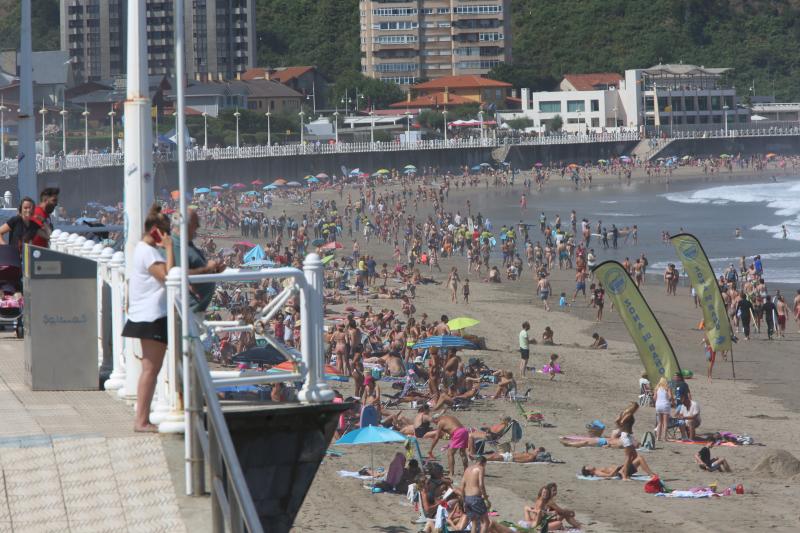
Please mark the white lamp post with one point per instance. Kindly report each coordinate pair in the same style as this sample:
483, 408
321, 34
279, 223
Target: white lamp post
237, 115
615, 116
111, 115
408, 127
43, 112
725, 118
85, 114
336, 125
302, 127
268, 114
205, 130
3, 110
480, 118
371, 127
444, 114
63, 114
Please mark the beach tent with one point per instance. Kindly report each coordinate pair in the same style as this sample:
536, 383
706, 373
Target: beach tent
255, 254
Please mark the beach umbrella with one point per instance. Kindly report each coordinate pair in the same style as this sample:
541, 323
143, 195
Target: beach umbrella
175, 195
625, 158
270, 187
725, 156
462, 322
255, 254
444, 341
226, 185
313, 180
309, 177
317, 242
245, 244
331, 373
217, 188
410, 171
279, 182
382, 171
476, 167
262, 355
485, 165
573, 166
538, 164
327, 259
256, 182
363, 175
369, 436
202, 190
603, 161
322, 176
409, 166
335, 245
771, 155
259, 263
294, 184
238, 186
251, 193
355, 172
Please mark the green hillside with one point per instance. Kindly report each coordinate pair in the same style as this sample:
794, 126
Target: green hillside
758, 38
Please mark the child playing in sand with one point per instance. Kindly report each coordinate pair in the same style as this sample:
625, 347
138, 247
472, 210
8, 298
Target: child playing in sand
562, 302
552, 367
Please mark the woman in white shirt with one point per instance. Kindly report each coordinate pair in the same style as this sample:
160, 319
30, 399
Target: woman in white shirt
664, 399
147, 308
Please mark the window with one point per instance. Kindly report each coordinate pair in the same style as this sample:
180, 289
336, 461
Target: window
691, 119
702, 103
396, 67
394, 12
550, 107
486, 64
703, 119
469, 51
595, 122
401, 25
580, 120
466, 10
490, 36
595, 105
717, 119
729, 102
648, 103
394, 39
716, 103
401, 80
576, 106
689, 104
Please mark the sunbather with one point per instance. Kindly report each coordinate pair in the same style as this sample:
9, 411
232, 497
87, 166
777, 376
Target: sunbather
530, 455
616, 471
561, 513
600, 442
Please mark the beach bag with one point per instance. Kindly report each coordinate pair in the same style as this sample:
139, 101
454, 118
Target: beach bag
654, 486
649, 441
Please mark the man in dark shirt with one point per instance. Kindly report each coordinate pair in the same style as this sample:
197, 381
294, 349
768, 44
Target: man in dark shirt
681, 387
744, 310
769, 315
201, 293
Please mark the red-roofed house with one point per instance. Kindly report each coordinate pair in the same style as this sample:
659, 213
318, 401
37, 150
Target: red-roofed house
457, 90
600, 81
304, 79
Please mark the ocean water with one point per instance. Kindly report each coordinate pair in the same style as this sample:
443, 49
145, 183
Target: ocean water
711, 210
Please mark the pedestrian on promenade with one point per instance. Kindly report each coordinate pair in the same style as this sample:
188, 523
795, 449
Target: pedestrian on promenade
48, 200
147, 308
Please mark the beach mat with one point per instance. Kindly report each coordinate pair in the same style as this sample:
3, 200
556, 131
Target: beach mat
690, 494
492, 463
354, 475
705, 443
637, 477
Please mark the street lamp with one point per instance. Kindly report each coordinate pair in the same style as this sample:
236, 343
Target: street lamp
205, 130
268, 114
63, 114
408, 127
85, 114
237, 115
372, 126
111, 115
615, 117
444, 114
336, 125
302, 126
3, 110
480, 118
43, 112
725, 118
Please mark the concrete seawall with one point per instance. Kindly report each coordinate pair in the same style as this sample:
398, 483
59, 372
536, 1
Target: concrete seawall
104, 185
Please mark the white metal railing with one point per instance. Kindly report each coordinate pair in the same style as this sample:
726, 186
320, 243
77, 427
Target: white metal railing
9, 167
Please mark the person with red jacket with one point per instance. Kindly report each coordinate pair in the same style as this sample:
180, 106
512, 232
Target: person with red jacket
48, 200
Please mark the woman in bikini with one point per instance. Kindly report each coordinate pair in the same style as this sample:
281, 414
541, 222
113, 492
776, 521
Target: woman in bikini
340, 349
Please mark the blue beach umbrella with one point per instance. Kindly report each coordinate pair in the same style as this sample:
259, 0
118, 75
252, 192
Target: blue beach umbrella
225, 185
313, 180
371, 435
270, 187
444, 341
202, 190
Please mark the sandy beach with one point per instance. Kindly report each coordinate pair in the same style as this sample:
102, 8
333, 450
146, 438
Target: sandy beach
762, 402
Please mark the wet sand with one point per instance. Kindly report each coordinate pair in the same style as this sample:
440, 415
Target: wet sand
596, 384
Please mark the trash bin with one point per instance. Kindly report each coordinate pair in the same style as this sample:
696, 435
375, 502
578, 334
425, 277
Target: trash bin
60, 318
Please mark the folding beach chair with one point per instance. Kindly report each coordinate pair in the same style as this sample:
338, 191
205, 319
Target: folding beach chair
646, 396
531, 417
514, 397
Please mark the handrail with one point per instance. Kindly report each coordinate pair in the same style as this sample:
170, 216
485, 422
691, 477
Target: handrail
219, 446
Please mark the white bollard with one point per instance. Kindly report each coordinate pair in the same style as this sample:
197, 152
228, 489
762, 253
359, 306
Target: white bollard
62, 241
116, 380
314, 390
173, 419
54, 237
77, 244
101, 254
86, 250
66, 245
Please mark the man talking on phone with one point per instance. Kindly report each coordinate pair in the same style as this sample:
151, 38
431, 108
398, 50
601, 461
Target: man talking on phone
201, 293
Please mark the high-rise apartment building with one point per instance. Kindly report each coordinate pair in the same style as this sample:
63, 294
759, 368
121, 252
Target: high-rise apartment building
405, 41
220, 37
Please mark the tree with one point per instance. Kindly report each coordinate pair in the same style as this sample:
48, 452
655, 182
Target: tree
376, 93
555, 124
523, 77
520, 123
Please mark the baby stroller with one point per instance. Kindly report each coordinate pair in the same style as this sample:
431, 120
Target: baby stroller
11, 289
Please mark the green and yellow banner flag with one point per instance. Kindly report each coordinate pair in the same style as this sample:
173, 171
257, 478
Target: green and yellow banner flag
715, 317
654, 348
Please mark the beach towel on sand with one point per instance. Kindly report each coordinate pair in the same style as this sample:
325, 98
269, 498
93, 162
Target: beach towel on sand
695, 494
356, 475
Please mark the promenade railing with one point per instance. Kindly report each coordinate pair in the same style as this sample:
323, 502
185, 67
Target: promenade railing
186, 397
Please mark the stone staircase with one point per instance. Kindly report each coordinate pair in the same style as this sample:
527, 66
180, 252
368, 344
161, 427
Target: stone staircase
645, 152
500, 153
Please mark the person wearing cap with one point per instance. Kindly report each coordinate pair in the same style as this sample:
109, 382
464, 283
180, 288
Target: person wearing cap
372, 392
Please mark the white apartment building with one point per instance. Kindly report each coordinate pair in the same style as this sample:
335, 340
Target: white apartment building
662, 96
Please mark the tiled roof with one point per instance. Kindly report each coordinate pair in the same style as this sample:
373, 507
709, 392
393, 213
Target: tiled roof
588, 82
433, 100
461, 82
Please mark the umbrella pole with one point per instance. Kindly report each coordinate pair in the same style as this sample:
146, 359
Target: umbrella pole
372, 469
733, 368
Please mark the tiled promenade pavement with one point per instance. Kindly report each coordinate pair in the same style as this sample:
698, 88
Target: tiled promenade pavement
70, 462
